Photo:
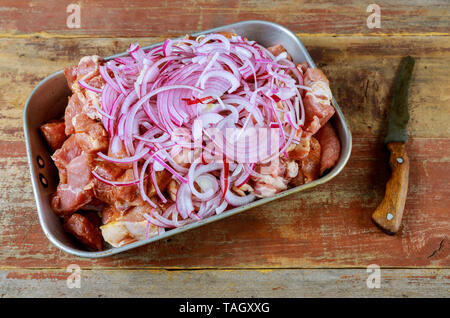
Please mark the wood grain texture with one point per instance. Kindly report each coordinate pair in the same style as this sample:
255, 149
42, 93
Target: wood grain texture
361, 70
388, 215
312, 244
325, 227
177, 17
230, 283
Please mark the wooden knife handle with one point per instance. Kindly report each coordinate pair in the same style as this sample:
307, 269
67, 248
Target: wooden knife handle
388, 215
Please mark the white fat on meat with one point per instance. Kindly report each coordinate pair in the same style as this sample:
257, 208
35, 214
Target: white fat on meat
129, 228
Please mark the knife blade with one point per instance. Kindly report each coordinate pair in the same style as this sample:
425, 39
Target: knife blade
398, 112
389, 213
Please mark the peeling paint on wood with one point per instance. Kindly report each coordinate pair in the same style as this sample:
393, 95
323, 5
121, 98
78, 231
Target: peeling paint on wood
219, 283
176, 17
324, 227
281, 249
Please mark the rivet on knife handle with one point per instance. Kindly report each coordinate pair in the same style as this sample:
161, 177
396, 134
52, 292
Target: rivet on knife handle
389, 213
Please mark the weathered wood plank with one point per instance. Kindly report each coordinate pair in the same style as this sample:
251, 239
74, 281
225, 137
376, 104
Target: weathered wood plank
156, 18
230, 283
361, 71
323, 227
327, 226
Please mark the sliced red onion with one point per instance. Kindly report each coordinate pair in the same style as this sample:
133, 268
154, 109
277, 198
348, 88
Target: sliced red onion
222, 207
89, 87
167, 47
116, 183
291, 121
224, 83
131, 159
206, 182
108, 79
184, 201
154, 221
156, 186
142, 189
221, 74
236, 200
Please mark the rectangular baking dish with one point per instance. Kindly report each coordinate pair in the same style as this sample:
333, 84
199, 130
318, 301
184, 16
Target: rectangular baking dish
49, 99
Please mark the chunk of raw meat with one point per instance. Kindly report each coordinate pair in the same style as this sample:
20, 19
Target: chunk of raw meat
79, 171
87, 68
71, 75
90, 134
162, 179
330, 145
64, 155
74, 107
117, 150
92, 104
109, 171
125, 197
309, 167
110, 214
300, 151
130, 227
93, 217
84, 231
77, 190
277, 50
54, 134
66, 200
317, 101
275, 178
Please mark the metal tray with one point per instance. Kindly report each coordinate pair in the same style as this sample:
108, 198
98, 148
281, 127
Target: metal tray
49, 99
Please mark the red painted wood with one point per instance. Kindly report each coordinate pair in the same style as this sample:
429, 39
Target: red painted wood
162, 18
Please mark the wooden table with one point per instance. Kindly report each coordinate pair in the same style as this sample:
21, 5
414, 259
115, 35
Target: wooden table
315, 243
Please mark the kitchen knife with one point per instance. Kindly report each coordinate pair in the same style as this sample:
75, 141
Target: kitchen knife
388, 215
